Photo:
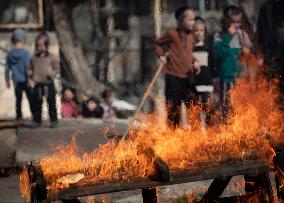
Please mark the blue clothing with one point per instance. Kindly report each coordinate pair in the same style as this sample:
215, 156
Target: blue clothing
17, 61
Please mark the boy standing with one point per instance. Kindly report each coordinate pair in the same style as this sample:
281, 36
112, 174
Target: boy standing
228, 49
41, 72
17, 62
180, 65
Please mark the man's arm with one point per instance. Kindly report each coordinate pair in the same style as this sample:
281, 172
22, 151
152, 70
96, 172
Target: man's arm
161, 45
30, 73
30, 70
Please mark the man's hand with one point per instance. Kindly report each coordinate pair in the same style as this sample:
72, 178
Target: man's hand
31, 83
163, 59
246, 50
8, 85
259, 61
232, 30
196, 67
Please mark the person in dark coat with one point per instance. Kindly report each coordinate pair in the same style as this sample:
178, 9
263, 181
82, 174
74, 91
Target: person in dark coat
180, 65
270, 32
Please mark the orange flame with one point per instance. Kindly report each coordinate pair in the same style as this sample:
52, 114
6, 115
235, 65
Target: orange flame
25, 185
253, 129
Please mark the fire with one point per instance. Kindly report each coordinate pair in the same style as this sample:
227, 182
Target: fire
25, 185
253, 129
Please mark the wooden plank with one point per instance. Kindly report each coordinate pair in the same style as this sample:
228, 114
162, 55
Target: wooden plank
149, 195
71, 201
268, 186
237, 168
8, 124
216, 188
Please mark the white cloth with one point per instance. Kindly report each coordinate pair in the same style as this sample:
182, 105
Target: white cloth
204, 88
123, 105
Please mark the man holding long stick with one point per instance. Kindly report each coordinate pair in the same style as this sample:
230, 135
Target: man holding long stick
180, 65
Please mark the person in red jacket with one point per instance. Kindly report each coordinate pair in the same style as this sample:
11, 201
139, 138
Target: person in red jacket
180, 65
69, 107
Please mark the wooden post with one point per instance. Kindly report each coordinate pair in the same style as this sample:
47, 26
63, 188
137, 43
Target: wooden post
160, 106
202, 8
216, 189
149, 195
157, 18
268, 186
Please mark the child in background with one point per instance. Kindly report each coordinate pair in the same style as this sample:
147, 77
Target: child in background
92, 108
69, 107
228, 49
108, 96
203, 81
180, 65
42, 70
17, 62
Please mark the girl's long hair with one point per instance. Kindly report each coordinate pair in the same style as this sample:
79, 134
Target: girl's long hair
43, 35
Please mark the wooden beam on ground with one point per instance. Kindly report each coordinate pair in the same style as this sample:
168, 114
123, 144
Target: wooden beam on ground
8, 124
250, 167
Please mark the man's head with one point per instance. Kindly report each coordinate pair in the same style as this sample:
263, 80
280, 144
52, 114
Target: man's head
234, 13
199, 29
185, 17
19, 36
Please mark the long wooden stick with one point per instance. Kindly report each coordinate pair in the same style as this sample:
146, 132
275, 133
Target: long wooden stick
158, 25
145, 96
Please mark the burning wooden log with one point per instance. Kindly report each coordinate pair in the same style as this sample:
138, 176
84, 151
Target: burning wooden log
158, 170
41, 181
38, 187
161, 169
279, 167
40, 191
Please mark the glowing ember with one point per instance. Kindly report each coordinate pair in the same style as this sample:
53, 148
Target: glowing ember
253, 128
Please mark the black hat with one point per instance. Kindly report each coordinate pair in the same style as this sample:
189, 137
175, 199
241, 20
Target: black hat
179, 11
232, 10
